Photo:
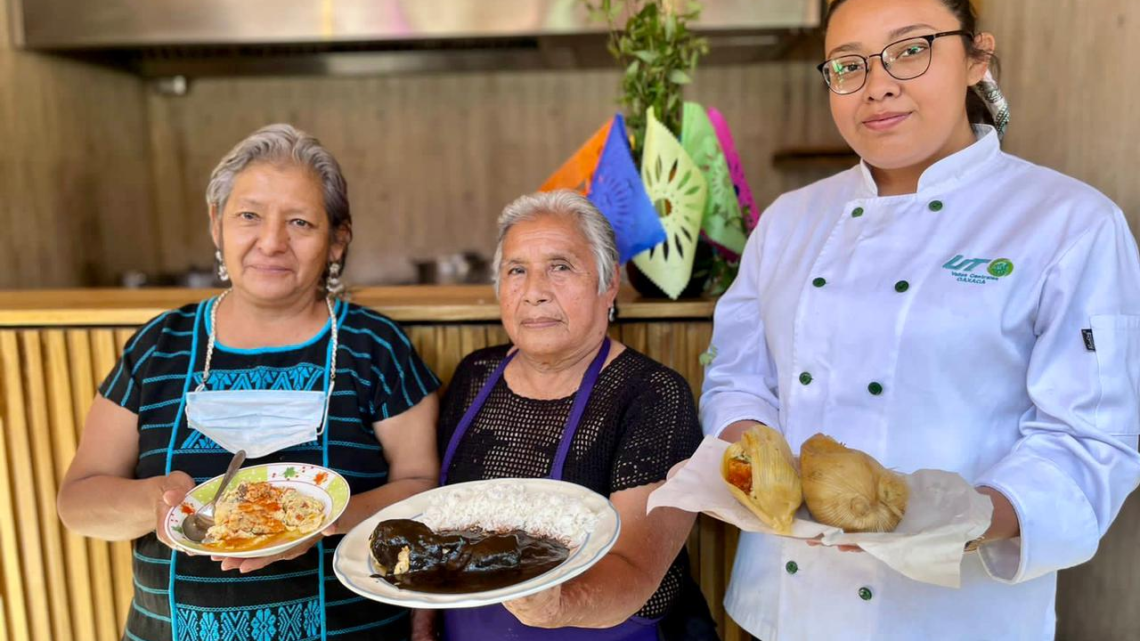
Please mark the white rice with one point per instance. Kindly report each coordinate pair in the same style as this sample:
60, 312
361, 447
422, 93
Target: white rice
500, 508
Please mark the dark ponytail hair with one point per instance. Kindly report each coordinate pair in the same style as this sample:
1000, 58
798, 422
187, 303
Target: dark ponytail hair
963, 10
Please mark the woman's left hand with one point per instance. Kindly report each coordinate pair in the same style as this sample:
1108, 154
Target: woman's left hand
1004, 523
539, 610
249, 565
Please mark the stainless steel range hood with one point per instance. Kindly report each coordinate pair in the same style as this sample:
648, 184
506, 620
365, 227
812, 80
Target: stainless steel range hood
210, 37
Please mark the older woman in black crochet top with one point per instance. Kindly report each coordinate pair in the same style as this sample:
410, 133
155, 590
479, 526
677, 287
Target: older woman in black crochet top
557, 279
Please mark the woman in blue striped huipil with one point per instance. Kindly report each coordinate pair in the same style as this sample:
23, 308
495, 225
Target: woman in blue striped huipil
280, 219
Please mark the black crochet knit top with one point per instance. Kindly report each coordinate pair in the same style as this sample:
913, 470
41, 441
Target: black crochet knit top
640, 421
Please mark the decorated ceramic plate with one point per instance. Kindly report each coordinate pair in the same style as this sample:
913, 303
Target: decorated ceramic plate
293, 502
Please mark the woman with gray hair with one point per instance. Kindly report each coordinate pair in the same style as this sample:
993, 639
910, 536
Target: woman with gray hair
255, 369
511, 411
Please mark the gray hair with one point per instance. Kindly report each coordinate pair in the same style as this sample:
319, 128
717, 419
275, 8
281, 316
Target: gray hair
283, 143
563, 202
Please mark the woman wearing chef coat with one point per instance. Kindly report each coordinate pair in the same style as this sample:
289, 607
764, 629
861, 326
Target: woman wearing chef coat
941, 305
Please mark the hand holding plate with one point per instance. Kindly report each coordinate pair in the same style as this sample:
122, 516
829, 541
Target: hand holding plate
256, 563
539, 610
173, 489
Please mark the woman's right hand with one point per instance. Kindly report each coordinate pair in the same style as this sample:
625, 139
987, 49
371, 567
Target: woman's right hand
172, 489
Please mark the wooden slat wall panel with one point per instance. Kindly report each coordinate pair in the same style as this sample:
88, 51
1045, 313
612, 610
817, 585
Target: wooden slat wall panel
83, 391
59, 586
16, 623
635, 335
471, 338
29, 564
45, 482
496, 335
68, 364
449, 349
104, 355
78, 588
421, 338
3, 611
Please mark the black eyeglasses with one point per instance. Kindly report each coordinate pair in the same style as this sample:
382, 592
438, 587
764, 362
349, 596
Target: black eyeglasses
904, 60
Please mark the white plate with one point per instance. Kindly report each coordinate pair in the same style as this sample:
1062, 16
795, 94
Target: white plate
321, 483
354, 566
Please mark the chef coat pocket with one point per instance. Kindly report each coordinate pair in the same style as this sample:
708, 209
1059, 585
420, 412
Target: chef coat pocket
1117, 344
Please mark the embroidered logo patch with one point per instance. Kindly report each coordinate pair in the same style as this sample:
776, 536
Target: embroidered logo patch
1000, 267
965, 270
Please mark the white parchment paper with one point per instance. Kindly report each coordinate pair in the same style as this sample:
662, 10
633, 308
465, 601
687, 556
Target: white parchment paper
943, 513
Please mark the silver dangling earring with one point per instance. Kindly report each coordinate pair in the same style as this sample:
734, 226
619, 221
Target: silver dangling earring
333, 284
223, 273
613, 313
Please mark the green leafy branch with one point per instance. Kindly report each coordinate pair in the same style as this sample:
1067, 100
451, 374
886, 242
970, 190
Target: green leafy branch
659, 53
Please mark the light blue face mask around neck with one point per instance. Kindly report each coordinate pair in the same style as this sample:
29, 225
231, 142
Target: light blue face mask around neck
260, 422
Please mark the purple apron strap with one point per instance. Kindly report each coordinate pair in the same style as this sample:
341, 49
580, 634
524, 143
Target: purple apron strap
581, 397
469, 416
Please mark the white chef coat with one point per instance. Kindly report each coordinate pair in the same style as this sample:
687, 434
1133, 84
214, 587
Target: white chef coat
944, 329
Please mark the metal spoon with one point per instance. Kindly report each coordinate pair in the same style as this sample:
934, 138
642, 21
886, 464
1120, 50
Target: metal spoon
194, 526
